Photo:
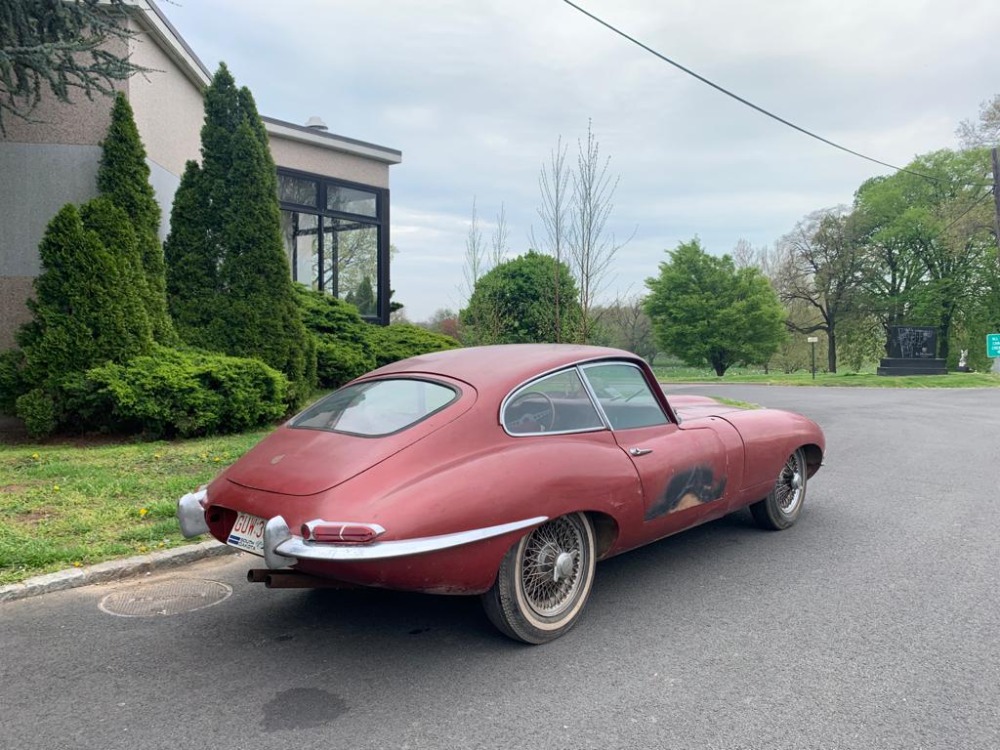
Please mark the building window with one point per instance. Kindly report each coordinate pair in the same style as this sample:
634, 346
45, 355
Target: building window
336, 235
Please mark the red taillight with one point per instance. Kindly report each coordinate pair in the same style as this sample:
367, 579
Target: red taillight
340, 532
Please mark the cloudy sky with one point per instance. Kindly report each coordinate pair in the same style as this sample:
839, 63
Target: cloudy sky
476, 94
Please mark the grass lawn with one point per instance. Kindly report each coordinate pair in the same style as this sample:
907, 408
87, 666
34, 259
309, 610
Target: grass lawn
83, 502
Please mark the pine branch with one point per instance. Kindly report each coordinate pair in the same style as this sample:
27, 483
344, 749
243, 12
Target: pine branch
60, 47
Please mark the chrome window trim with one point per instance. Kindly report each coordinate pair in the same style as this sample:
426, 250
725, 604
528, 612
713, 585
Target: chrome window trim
606, 425
593, 393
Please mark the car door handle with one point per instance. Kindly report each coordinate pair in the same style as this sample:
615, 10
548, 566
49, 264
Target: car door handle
639, 451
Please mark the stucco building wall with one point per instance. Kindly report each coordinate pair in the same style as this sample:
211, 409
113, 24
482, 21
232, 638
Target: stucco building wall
306, 157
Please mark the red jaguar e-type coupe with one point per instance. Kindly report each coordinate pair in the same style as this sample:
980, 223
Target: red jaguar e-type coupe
503, 471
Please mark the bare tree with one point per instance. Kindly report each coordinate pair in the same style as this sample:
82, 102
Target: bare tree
554, 187
474, 253
824, 265
770, 261
629, 327
986, 131
591, 249
499, 240
744, 254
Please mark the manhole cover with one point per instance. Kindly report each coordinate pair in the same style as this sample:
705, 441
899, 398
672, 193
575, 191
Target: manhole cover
161, 598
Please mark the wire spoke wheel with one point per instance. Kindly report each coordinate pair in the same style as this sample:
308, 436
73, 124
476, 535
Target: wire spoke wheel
544, 580
550, 566
781, 508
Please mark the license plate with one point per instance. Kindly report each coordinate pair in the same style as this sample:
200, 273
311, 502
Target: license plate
248, 534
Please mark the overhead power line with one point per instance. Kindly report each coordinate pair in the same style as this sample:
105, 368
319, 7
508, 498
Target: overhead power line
975, 203
740, 99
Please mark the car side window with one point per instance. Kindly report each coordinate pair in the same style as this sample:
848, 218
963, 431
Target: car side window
555, 403
624, 395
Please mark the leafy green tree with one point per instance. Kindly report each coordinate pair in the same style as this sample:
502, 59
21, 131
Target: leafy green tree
62, 48
515, 302
928, 240
123, 177
228, 280
705, 310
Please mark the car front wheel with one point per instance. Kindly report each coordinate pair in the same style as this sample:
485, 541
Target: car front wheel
781, 508
544, 581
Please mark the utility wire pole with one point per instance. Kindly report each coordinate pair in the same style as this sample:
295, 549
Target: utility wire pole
996, 196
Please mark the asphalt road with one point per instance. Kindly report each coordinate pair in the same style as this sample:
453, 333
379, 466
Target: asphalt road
873, 623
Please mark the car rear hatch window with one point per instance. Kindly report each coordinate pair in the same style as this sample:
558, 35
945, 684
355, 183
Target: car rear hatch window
377, 407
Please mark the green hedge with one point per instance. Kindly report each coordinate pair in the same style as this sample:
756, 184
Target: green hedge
177, 392
347, 346
343, 347
402, 340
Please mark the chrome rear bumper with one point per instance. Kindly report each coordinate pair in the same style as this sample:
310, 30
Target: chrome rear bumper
191, 513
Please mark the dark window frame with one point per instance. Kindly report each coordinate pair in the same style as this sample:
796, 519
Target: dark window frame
380, 221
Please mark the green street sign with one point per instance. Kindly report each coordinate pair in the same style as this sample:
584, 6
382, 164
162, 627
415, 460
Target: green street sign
993, 345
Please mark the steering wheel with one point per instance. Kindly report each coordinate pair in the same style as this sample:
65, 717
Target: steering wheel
538, 415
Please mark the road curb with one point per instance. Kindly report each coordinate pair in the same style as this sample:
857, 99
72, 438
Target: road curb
112, 570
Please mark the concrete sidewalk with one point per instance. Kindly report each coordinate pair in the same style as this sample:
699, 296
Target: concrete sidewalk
113, 570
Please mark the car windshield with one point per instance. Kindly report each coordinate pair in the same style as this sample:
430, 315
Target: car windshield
376, 407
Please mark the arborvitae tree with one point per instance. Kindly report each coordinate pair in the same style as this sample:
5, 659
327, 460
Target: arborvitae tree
195, 248
192, 271
228, 278
259, 316
363, 297
85, 309
124, 178
110, 223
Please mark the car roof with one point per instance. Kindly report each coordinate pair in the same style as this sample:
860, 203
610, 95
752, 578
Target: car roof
503, 365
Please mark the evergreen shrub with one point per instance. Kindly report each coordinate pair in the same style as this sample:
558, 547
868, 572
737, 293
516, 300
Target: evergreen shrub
38, 411
183, 393
343, 348
12, 383
402, 340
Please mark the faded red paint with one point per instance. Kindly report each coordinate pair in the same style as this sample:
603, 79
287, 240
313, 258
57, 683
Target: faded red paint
458, 470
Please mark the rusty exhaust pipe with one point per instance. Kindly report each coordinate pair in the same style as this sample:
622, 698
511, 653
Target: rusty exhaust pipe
258, 575
279, 579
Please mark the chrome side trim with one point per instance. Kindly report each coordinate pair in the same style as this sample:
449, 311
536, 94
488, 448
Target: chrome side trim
282, 548
191, 513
